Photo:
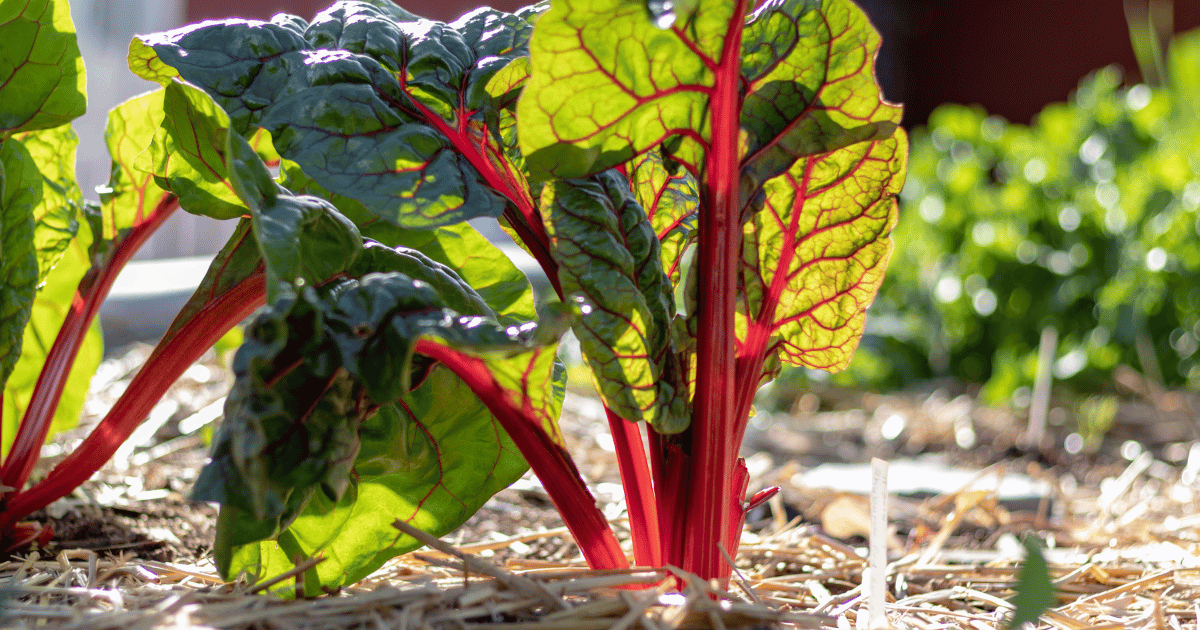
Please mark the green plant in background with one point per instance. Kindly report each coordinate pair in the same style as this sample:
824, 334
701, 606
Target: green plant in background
1086, 221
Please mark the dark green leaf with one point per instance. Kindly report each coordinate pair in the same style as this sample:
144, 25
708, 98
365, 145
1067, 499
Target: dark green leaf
43, 83
301, 237
242, 64
475, 260
609, 254
371, 102
424, 461
430, 452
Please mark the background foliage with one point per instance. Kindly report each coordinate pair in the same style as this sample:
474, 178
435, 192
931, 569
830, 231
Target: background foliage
1086, 220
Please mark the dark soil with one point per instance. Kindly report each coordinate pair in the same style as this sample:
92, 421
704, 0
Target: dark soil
164, 530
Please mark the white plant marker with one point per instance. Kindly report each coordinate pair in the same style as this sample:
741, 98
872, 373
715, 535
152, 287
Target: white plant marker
1039, 404
875, 576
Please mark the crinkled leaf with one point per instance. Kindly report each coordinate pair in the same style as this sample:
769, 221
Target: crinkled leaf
608, 254
56, 213
20, 192
371, 102
293, 428
814, 256
300, 237
409, 468
242, 64
474, 259
810, 69
49, 311
43, 76
671, 199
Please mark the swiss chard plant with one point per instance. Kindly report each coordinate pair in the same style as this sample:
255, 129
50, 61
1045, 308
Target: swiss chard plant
708, 185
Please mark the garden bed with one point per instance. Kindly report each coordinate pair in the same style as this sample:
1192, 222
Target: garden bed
1120, 528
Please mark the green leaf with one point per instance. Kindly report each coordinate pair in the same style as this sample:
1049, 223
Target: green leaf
20, 191
431, 454
505, 86
608, 84
301, 237
1035, 592
810, 70
187, 154
609, 255
461, 247
39, 201
671, 198
814, 256
371, 102
49, 311
43, 84
55, 215
410, 468
242, 64
131, 194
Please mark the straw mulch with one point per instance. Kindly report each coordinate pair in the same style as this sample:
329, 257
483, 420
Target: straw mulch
1123, 548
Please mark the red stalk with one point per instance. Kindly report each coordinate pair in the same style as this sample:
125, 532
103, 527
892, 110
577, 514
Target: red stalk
92, 291
709, 494
549, 461
525, 219
161, 370
639, 491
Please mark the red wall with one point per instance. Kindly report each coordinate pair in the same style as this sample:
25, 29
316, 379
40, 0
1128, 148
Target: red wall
1012, 56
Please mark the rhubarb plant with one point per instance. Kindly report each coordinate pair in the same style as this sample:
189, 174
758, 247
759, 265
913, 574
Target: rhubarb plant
709, 187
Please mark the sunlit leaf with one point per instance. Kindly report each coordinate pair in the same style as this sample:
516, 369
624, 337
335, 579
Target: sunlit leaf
43, 76
814, 255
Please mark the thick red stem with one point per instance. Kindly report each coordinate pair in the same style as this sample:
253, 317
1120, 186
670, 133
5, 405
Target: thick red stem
161, 370
525, 219
549, 461
639, 491
93, 289
709, 493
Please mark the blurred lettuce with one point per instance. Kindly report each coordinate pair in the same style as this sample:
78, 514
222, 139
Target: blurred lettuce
1087, 220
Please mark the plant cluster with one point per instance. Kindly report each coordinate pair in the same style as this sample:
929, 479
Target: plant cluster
1086, 221
708, 185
